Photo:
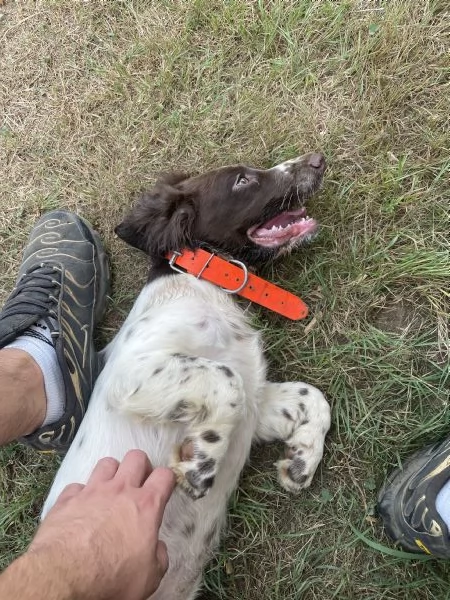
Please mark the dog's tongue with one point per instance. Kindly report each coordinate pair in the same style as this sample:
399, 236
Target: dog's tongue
287, 226
284, 219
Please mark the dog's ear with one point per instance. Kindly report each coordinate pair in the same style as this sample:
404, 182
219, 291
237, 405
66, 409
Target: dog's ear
161, 221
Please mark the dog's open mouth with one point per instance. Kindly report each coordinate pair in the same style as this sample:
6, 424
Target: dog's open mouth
290, 226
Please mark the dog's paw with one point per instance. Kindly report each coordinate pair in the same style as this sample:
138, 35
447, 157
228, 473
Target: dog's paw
195, 470
298, 414
196, 478
296, 472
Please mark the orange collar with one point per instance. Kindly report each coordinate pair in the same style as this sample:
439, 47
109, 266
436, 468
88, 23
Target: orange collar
234, 278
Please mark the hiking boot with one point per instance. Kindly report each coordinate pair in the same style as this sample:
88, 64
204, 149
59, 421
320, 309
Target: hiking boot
407, 501
63, 280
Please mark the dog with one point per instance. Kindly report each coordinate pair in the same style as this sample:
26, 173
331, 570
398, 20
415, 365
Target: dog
185, 377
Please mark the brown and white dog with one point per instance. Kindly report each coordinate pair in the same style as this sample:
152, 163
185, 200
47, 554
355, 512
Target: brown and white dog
185, 377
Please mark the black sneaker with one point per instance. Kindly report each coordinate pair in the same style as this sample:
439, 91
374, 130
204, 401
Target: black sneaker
63, 279
407, 501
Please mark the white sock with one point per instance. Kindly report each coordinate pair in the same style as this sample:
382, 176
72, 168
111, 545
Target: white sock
443, 503
37, 342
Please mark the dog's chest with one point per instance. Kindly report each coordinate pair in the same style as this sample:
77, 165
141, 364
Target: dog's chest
181, 314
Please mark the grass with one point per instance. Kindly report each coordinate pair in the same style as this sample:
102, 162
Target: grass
97, 97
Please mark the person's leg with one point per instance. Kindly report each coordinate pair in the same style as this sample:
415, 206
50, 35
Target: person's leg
414, 501
48, 364
23, 402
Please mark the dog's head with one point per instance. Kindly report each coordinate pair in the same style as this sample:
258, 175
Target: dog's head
251, 214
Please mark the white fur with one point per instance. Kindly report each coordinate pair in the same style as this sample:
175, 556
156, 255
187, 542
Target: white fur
287, 165
140, 386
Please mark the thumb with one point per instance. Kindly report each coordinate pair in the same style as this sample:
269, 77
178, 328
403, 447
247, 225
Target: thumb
162, 557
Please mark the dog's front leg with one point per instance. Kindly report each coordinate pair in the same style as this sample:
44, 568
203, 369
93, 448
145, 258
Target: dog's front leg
206, 396
299, 415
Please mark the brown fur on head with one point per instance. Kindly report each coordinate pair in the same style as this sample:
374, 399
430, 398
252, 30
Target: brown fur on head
227, 209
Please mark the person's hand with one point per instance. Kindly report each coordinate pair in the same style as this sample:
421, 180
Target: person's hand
102, 538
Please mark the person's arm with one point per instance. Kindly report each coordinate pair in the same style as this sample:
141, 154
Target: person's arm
31, 577
99, 541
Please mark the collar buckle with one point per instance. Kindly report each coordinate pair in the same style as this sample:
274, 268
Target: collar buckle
175, 255
172, 261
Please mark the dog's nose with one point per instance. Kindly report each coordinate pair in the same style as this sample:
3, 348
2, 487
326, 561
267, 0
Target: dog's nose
317, 161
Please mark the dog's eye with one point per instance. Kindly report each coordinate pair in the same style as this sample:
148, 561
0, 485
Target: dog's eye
241, 180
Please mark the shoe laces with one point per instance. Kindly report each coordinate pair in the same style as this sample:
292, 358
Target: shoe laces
36, 292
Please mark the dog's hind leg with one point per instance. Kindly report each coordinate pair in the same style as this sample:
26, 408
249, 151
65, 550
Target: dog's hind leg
299, 415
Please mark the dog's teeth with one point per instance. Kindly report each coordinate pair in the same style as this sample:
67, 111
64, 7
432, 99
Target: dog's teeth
279, 227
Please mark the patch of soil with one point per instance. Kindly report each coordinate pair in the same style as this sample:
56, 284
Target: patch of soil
400, 317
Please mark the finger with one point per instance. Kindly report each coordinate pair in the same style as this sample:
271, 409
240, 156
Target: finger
162, 557
161, 564
134, 469
160, 485
69, 491
104, 470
